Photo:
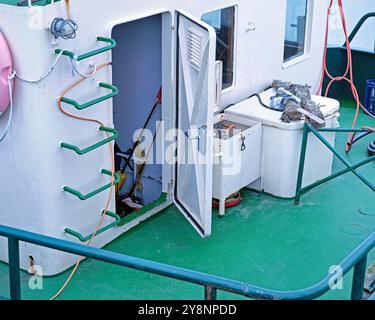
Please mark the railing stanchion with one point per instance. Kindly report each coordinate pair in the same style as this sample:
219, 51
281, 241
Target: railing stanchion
301, 169
359, 279
210, 293
14, 268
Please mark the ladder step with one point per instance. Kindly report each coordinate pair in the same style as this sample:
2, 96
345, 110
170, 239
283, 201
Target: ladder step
100, 231
114, 92
97, 145
112, 44
83, 197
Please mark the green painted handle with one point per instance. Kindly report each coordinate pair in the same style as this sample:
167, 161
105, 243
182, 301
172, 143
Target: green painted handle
100, 231
72, 55
94, 146
82, 197
86, 105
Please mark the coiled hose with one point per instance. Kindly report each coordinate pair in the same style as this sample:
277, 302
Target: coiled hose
371, 147
348, 77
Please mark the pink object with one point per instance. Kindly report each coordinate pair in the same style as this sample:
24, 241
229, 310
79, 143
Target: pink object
5, 69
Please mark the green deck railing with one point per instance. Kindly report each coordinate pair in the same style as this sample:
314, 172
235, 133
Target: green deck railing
111, 45
349, 167
97, 145
362, 60
85, 197
212, 284
100, 231
114, 92
359, 26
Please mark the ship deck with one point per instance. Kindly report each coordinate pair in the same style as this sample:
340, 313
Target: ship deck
38, 3
265, 241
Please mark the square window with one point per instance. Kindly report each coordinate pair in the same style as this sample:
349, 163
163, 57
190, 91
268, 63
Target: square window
295, 29
223, 21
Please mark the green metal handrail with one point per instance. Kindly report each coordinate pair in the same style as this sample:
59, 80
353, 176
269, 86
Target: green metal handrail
78, 106
359, 25
72, 55
357, 259
349, 167
94, 146
100, 231
83, 197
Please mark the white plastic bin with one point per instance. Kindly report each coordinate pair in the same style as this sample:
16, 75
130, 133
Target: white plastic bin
281, 145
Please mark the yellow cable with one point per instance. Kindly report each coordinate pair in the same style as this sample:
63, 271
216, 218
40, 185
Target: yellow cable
59, 103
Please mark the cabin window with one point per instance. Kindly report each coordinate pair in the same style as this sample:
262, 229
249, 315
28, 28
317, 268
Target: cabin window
295, 29
223, 21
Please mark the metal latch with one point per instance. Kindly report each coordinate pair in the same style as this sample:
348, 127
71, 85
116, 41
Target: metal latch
243, 145
199, 134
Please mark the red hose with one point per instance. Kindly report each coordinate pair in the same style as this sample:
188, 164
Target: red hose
234, 201
349, 70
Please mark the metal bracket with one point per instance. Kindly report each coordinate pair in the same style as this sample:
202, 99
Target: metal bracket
243, 145
199, 134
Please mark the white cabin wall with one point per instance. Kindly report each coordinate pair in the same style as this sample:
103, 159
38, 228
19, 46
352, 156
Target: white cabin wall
259, 54
33, 167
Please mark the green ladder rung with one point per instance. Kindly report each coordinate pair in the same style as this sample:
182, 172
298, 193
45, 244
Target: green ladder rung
77, 105
72, 55
100, 231
94, 146
83, 197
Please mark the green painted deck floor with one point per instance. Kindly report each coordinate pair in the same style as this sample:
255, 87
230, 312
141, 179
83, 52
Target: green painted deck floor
266, 242
39, 3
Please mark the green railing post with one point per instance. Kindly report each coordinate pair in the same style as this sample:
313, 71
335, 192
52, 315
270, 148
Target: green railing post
349, 167
302, 163
342, 159
14, 268
359, 279
210, 293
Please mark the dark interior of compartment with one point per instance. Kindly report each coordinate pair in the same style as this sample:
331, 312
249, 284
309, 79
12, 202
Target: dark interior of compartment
137, 71
227, 129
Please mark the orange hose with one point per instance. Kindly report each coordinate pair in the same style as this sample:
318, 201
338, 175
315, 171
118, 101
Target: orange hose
59, 103
67, 7
345, 77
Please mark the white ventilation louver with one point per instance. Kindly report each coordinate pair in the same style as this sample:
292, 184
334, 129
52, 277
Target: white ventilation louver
194, 49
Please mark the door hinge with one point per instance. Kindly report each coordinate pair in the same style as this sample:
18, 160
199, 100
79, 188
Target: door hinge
199, 134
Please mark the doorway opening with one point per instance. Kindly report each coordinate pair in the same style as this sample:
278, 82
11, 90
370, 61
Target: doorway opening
138, 73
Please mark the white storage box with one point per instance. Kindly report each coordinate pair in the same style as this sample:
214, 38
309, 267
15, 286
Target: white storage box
282, 143
237, 156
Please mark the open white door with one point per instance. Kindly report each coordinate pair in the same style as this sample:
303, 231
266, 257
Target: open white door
195, 102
